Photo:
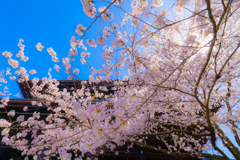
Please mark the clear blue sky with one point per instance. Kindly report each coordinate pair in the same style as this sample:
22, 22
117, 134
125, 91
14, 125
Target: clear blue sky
51, 22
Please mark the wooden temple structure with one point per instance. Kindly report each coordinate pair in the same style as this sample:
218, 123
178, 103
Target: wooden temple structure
135, 153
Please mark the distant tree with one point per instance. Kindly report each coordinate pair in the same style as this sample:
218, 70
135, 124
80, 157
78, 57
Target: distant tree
176, 74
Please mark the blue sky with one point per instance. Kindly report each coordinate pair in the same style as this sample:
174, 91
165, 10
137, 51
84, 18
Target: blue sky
50, 22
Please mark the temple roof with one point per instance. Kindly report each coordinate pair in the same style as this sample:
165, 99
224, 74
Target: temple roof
68, 84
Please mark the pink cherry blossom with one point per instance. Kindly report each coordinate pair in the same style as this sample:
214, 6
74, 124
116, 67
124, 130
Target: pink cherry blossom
80, 29
100, 40
91, 43
4, 123
39, 46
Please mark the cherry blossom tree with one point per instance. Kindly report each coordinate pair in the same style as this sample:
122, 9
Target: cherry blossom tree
174, 72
